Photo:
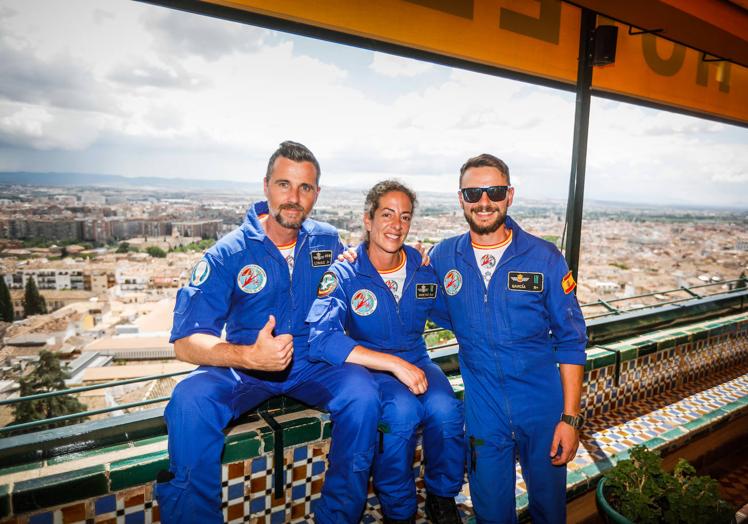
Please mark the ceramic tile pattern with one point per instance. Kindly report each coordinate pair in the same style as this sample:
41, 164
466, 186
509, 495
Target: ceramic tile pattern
658, 397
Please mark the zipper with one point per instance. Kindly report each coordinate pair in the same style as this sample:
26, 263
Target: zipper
499, 369
292, 277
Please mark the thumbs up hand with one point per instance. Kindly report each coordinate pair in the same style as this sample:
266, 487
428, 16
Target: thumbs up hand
270, 353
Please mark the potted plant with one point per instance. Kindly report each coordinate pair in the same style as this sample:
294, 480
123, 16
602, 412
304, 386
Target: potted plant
638, 490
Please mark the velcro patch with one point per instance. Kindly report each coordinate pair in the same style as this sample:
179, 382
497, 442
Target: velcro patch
525, 281
321, 258
567, 283
426, 291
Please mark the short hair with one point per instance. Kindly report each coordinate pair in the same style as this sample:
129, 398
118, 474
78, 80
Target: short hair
375, 194
485, 160
293, 151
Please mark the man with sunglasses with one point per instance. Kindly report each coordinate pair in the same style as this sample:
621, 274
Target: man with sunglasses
522, 339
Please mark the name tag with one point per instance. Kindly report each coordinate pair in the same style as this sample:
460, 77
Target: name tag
321, 258
426, 291
525, 281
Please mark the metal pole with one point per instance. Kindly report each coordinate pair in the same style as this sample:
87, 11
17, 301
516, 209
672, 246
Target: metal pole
579, 151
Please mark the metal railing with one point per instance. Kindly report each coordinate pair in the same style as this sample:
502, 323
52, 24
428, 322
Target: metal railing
612, 310
607, 304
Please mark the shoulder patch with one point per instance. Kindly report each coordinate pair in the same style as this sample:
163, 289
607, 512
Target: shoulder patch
364, 302
327, 284
200, 273
251, 279
567, 283
452, 282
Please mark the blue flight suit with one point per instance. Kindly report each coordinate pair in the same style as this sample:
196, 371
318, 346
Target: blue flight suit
355, 307
512, 336
239, 282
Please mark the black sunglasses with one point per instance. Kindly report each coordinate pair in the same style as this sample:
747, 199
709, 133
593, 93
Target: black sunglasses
473, 194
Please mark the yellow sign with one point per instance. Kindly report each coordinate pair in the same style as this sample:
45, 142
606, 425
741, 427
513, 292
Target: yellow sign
657, 70
535, 37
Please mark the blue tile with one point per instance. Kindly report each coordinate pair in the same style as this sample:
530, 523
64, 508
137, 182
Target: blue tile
318, 467
300, 453
135, 518
257, 505
42, 518
106, 504
298, 492
236, 491
259, 464
278, 518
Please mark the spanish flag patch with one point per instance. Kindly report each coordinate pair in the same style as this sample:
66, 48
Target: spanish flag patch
567, 283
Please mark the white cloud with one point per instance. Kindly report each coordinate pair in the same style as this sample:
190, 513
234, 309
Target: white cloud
171, 92
395, 66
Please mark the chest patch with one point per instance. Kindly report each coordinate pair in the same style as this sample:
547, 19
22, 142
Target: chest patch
200, 273
525, 281
251, 279
452, 282
321, 258
426, 291
364, 302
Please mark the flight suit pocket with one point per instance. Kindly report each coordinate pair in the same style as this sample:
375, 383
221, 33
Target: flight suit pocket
186, 298
526, 314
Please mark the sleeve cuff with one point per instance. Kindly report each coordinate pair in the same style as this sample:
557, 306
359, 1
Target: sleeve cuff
571, 357
336, 348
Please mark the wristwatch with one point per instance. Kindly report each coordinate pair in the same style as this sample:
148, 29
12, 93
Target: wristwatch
575, 422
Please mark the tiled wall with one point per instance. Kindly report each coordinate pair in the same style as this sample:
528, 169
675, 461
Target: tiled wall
119, 488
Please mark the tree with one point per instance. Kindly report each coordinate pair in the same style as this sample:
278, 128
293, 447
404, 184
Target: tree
33, 301
6, 304
47, 376
156, 252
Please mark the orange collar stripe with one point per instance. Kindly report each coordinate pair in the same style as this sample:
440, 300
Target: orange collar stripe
287, 246
494, 246
398, 268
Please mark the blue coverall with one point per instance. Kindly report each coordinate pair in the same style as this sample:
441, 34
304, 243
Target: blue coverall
512, 336
239, 282
356, 307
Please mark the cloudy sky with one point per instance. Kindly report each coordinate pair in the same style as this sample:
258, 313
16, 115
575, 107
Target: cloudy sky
121, 87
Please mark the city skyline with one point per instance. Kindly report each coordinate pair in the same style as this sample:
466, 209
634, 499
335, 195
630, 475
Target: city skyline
171, 94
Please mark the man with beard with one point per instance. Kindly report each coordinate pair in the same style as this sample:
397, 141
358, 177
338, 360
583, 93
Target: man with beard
522, 339
259, 282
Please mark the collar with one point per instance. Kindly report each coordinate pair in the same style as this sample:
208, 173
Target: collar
518, 245
363, 266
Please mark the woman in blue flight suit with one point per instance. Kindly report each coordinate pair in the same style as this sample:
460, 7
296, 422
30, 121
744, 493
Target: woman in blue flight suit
358, 319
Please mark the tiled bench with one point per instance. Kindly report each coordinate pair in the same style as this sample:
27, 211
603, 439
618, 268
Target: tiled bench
661, 389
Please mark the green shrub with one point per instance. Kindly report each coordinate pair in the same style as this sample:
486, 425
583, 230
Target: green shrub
643, 492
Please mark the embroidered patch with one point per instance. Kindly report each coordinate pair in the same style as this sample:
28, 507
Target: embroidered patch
487, 261
452, 282
426, 291
251, 279
364, 302
200, 273
327, 285
567, 283
321, 258
525, 281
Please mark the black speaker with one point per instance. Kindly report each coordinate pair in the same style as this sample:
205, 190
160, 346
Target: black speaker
604, 52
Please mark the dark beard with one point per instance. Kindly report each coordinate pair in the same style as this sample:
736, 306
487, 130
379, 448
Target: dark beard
490, 228
285, 223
